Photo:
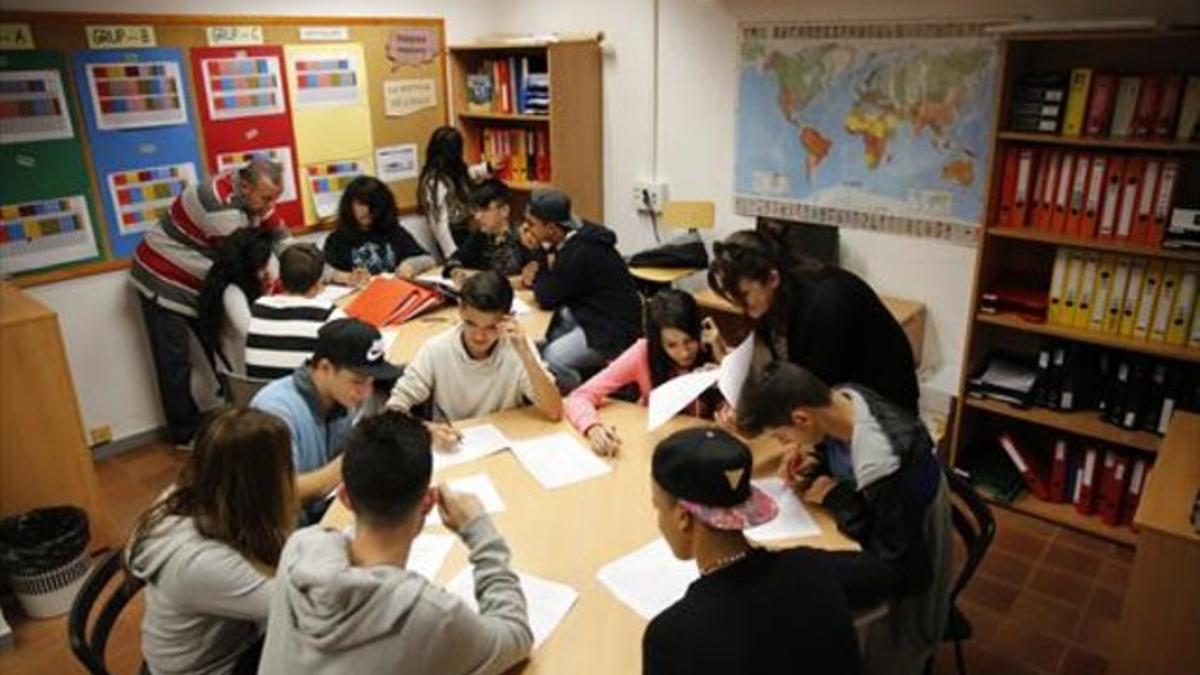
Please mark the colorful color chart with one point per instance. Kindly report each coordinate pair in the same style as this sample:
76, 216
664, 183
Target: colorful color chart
126, 143
281, 155
328, 180
142, 196
136, 95
45, 232
243, 86
32, 107
326, 80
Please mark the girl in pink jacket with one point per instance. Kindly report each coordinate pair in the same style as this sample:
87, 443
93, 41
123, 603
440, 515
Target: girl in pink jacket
676, 342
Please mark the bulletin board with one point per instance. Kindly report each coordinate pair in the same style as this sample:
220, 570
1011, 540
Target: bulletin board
104, 118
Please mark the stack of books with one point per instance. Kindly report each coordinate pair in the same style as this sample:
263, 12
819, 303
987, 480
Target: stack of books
391, 301
1088, 194
1097, 479
523, 154
1104, 104
1129, 296
509, 86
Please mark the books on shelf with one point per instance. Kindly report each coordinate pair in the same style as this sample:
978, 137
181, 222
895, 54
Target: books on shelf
523, 154
1085, 194
511, 86
1095, 104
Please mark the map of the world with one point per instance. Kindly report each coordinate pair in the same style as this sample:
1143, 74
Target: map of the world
869, 127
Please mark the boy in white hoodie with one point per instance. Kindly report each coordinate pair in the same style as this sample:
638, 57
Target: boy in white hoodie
346, 604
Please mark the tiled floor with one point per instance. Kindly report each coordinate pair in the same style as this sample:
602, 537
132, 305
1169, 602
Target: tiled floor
1046, 600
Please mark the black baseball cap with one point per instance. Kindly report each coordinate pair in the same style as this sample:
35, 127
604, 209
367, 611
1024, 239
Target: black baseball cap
708, 471
553, 206
353, 344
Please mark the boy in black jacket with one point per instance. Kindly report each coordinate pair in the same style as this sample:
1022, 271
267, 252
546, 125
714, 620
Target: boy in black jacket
578, 273
871, 463
493, 244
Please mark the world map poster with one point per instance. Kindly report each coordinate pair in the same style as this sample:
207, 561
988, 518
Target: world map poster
882, 127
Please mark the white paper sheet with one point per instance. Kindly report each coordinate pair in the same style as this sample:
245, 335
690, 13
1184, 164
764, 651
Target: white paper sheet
558, 459
334, 292
735, 367
668, 398
520, 307
650, 579
396, 162
547, 601
427, 555
477, 442
793, 520
477, 484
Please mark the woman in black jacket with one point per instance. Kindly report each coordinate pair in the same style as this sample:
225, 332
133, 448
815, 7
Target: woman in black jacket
823, 318
369, 239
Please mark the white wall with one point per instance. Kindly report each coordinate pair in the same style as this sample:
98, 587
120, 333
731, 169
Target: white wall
692, 151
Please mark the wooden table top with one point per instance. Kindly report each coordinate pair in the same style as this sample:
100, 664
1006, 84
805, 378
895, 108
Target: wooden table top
566, 535
662, 275
1166, 504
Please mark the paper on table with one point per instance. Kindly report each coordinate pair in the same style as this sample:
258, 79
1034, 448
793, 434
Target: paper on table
650, 579
558, 459
436, 279
735, 367
675, 394
793, 521
334, 292
427, 554
389, 339
477, 442
477, 484
520, 307
547, 601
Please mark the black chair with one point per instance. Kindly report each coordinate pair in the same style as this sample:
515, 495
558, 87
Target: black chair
89, 646
976, 526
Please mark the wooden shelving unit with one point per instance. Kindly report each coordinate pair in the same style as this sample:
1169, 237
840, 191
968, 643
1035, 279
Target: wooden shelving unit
574, 123
1110, 245
1085, 423
1156, 349
1027, 253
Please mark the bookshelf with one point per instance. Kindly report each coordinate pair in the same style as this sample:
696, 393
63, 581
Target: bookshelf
570, 133
1026, 253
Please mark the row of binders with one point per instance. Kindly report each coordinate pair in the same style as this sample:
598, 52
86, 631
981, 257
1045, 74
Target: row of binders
1101, 104
509, 86
1130, 296
1096, 481
522, 154
1088, 195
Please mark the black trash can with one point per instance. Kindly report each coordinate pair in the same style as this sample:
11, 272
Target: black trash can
44, 554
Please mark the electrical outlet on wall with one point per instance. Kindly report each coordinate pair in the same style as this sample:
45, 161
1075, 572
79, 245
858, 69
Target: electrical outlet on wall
649, 196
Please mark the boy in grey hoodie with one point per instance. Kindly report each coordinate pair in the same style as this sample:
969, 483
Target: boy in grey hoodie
346, 604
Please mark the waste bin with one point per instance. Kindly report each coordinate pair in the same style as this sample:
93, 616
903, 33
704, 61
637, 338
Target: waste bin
44, 554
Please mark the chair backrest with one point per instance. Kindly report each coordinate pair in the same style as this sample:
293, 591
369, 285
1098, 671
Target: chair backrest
975, 524
239, 389
88, 645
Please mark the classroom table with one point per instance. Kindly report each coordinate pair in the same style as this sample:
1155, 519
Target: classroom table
663, 275
566, 535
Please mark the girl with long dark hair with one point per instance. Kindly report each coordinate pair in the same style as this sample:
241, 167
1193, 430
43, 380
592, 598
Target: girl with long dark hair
208, 548
239, 275
677, 341
444, 188
369, 239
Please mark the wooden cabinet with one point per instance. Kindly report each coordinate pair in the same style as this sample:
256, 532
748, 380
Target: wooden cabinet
44, 457
572, 124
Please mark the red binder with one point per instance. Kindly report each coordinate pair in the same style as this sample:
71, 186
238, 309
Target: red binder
1131, 187
1163, 200
1094, 196
1147, 106
1168, 106
1133, 495
1008, 188
389, 302
1110, 206
1078, 196
1143, 212
1100, 105
1085, 500
1045, 210
1117, 482
1024, 193
1062, 192
1032, 476
1058, 472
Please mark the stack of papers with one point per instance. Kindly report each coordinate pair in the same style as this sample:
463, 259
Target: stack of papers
793, 520
334, 292
650, 579
558, 459
548, 602
668, 398
477, 442
477, 484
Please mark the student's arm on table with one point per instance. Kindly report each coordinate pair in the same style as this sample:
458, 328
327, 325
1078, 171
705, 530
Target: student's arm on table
580, 406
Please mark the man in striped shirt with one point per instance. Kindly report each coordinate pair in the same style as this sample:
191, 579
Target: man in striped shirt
283, 327
172, 260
